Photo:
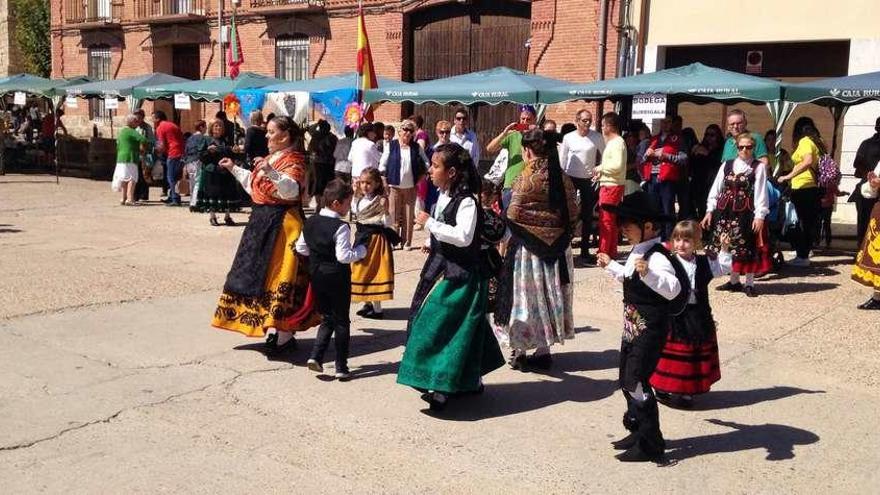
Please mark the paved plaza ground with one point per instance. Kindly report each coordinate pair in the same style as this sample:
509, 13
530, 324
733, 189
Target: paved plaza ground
113, 381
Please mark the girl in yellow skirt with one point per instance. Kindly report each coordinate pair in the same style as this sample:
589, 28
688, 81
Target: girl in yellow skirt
372, 278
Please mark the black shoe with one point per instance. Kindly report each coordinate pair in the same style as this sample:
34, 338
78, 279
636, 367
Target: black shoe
731, 287
214, 222
366, 309
542, 362
229, 221
518, 362
750, 291
626, 442
272, 346
587, 260
636, 454
870, 304
374, 315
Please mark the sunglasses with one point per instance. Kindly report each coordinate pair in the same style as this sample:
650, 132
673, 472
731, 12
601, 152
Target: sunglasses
746, 147
443, 131
586, 121
407, 129
460, 117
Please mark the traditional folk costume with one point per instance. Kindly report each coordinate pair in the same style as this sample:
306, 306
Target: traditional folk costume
648, 304
866, 270
372, 278
737, 197
535, 292
326, 240
689, 363
217, 189
493, 231
450, 345
268, 284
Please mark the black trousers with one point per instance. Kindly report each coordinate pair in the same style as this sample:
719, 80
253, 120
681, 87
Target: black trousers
141, 189
806, 204
332, 288
589, 197
863, 213
638, 359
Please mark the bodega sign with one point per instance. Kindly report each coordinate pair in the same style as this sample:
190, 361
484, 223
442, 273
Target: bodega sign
649, 106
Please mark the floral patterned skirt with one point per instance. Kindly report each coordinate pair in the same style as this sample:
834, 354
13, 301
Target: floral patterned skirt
866, 270
541, 312
286, 302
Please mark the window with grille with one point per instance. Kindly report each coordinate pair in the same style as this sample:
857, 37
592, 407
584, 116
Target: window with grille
292, 58
99, 69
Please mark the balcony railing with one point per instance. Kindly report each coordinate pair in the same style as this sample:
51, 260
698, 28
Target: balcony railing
168, 10
93, 12
284, 5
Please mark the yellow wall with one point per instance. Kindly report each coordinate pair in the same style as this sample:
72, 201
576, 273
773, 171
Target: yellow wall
701, 22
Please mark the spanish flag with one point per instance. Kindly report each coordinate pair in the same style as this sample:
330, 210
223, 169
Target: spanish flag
366, 70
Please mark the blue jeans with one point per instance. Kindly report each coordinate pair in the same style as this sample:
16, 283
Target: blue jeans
172, 171
663, 194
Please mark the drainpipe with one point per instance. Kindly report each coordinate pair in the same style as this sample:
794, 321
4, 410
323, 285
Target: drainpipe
643, 27
220, 36
603, 38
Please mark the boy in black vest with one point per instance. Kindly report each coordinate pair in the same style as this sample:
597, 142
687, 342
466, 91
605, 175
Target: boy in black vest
326, 240
654, 285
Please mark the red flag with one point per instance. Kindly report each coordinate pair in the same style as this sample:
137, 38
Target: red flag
366, 70
234, 54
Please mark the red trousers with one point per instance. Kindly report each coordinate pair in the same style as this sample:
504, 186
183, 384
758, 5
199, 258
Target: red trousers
608, 195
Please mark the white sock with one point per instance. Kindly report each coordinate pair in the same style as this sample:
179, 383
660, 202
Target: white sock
271, 331
734, 277
750, 279
377, 306
284, 337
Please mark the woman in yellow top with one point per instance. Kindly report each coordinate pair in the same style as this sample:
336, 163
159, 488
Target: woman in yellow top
805, 193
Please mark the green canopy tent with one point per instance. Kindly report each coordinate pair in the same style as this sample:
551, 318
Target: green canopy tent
51, 89
212, 90
121, 88
492, 86
696, 83
837, 94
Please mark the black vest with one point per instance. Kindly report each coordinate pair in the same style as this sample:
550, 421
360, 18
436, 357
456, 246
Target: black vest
320, 232
639, 294
459, 261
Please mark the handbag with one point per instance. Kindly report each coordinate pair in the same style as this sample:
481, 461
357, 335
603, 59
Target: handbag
157, 172
183, 186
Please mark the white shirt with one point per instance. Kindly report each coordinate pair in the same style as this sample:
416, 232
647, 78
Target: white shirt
468, 141
578, 154
340, 154
762, 203
660, 277
345, 254
868, 191
406, 172
719, 266
363, 155
285, 187
465, 222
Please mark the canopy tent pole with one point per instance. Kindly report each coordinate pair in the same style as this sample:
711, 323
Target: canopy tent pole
837, 113
56, 100
780, 111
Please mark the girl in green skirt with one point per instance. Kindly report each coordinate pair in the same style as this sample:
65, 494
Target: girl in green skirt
450, 344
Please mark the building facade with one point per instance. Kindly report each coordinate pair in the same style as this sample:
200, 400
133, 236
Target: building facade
10, 58
295, 39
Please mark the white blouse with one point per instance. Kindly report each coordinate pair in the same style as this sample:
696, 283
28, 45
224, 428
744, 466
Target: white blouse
661, 276
285, 187
462, 233
762, 204
719, 266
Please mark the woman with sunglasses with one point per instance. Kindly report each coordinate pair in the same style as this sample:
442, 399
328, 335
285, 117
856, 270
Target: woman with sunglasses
736, 206
403, 163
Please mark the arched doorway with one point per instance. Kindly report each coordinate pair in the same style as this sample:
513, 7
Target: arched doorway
452, 39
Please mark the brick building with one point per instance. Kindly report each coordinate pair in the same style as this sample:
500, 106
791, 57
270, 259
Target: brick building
293, 39
10, 58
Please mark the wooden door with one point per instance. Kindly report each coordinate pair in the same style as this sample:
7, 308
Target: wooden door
185, 62
449, 40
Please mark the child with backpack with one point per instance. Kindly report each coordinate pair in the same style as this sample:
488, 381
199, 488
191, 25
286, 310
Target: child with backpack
655, 287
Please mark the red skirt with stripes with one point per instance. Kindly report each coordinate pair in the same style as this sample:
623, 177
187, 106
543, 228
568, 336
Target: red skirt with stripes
686, 368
